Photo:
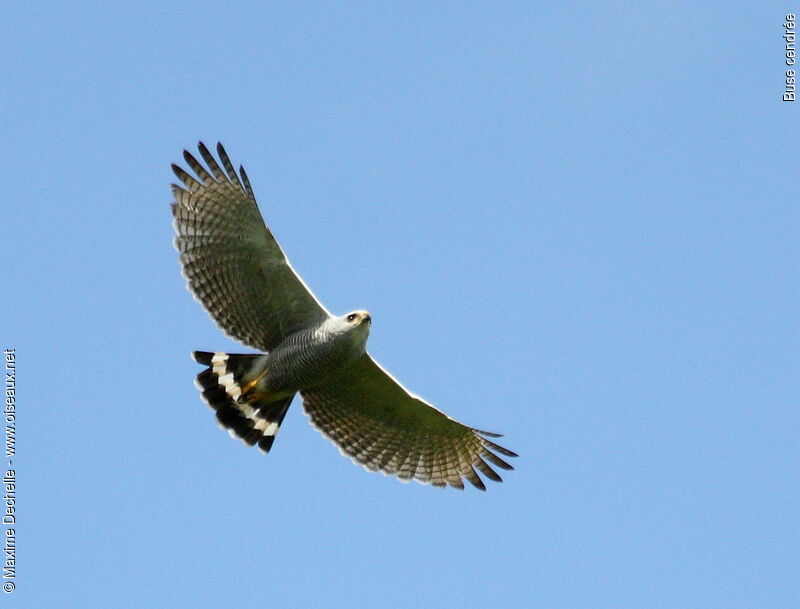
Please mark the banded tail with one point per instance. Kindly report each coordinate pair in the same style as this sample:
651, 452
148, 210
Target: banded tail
245, 414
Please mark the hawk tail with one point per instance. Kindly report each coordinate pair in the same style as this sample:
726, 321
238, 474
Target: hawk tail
246, 415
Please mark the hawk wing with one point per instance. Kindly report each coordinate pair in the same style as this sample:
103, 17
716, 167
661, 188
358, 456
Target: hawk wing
378, 424
232, 264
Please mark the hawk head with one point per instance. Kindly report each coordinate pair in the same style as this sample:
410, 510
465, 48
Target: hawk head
355, 325
357, 318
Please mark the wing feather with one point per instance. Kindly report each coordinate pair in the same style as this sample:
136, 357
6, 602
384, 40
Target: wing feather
195, 166
226, 163
211, 162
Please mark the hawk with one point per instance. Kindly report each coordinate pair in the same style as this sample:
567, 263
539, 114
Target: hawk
237, 271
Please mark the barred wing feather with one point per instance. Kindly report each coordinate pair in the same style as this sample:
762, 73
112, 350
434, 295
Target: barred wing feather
377, 423
232, 263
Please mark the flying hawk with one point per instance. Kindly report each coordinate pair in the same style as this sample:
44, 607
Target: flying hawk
235, 268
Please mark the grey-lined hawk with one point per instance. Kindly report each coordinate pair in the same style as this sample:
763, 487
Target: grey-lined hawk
235, 268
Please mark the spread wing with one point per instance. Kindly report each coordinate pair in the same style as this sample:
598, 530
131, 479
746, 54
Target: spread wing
378, 424
232, 264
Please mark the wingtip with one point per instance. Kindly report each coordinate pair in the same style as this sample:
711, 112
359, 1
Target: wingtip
489, 434
474, 479
497, 448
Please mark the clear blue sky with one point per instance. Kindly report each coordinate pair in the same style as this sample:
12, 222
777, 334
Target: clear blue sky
574, 224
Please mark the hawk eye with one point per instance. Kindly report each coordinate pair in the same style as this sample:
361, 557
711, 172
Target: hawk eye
351, 317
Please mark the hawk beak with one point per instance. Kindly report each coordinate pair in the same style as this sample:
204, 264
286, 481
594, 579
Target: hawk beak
367, 318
